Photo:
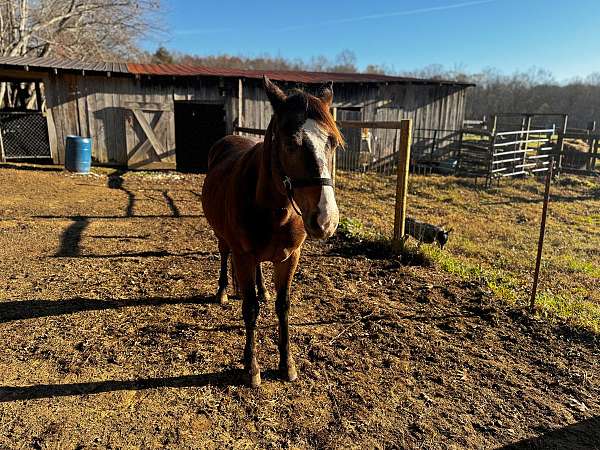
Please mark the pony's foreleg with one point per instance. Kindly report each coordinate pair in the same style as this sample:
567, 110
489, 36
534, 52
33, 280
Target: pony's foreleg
283, 274
245, 268
261, 289
221, 296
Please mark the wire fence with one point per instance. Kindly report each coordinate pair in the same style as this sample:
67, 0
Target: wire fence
469, 152
24, 135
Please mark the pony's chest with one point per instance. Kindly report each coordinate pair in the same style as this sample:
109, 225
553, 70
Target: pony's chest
278, 236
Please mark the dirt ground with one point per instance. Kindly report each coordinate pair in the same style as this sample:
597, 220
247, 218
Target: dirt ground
111, 339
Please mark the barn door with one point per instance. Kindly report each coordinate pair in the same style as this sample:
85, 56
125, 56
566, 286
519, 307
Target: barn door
150, 137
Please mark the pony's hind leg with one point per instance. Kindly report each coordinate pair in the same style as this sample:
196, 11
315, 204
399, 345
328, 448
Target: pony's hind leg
221, 296
261, 289
283, 273
245, 268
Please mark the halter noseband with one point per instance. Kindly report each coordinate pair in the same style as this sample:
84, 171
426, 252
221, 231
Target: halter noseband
289, 184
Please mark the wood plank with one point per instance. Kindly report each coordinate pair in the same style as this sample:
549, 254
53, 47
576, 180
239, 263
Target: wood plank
148, 106
2, 155
52, 139
370, 124
100, 126
156, 144
257, 131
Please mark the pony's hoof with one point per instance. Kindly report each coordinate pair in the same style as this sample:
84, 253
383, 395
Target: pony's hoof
254, 380
221, 298
288, 373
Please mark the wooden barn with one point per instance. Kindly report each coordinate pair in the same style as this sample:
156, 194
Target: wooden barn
145, 116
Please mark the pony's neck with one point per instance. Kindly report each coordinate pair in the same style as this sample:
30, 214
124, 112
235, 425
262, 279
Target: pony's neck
269, 189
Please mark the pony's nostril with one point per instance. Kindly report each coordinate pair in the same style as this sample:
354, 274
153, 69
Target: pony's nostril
313, 221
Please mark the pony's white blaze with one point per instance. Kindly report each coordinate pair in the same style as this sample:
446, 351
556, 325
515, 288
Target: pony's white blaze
328, 216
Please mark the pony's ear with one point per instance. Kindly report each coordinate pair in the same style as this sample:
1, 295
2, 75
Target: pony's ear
276, 96
450, 230
325, 93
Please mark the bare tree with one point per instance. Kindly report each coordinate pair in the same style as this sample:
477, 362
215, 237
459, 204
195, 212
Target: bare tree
82, 29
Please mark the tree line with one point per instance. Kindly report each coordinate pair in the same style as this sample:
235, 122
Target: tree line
111, 30
533, 91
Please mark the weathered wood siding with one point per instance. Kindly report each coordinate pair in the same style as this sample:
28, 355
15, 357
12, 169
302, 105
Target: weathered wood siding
429, 106
100, 107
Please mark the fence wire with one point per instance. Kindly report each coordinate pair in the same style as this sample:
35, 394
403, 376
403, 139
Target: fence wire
24, 135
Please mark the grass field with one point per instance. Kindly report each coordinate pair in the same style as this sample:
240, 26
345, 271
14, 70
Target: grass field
496, 232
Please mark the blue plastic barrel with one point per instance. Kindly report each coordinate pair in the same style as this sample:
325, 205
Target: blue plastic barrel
78, 154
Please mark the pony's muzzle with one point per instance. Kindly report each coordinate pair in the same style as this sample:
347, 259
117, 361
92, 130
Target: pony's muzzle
321, 224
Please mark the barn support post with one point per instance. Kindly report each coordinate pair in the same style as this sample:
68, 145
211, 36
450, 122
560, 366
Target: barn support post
402, 182
334, 160
38, 96
240, 104
2, 155
538, 261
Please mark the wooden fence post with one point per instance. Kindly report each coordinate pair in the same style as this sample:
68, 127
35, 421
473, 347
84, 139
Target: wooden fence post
494, 124
538, 261
402, 181
561, 144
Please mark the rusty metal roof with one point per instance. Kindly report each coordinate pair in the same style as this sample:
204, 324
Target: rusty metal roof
186, 70
278, 75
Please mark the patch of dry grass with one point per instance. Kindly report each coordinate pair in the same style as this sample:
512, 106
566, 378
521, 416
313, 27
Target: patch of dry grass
496, 233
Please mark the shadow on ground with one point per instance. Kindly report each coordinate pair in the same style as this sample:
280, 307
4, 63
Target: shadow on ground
581, 435
31, 309
229, 377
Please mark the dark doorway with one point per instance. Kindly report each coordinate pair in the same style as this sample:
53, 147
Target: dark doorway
197, 127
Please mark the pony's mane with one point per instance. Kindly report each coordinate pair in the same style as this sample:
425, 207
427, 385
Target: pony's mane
319, 111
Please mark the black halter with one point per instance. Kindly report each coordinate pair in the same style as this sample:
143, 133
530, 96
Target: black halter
289, 184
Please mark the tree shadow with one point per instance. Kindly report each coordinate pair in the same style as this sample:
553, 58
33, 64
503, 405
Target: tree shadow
115, 181
70, 239
581, 435
171, 204
31, 309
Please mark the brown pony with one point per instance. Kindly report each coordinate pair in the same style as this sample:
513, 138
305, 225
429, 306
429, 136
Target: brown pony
263, 199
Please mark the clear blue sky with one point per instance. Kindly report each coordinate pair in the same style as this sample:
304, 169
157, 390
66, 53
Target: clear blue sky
562, 36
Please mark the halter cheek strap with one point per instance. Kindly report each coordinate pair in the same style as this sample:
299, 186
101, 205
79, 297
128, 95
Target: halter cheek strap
289, 184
